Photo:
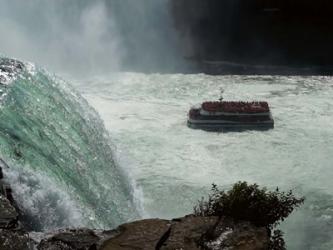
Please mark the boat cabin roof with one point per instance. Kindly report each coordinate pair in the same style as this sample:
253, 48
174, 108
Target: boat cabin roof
236, 107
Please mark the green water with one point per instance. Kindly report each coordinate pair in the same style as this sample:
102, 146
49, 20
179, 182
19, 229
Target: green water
56, 144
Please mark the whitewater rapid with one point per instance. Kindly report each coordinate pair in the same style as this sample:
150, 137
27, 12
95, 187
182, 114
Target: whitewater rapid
173, 166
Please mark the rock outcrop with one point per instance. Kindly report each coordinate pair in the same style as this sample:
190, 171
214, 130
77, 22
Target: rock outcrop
187, 233
72, 239
12, 236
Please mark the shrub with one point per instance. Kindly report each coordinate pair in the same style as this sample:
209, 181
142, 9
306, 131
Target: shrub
277, 241
249, 203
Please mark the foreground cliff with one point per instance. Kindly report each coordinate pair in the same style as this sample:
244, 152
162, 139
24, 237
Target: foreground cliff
189, 232
182, 233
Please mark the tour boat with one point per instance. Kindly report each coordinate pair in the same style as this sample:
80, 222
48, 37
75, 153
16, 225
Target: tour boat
224, 115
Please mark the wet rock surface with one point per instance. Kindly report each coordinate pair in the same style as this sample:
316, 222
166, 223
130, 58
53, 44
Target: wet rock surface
8, 214
185, 233
188, 233
12, 237
71, 239
229, 234
144, 234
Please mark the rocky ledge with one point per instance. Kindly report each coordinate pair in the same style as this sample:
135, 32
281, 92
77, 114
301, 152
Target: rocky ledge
12, 234
188, 233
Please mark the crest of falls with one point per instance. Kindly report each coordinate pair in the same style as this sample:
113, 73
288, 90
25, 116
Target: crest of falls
62, 168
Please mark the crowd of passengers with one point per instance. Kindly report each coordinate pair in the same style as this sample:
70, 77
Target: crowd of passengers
225, 106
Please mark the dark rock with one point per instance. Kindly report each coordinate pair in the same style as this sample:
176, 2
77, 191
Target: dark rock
8, 214
14, 240
9, 194
186, 232
57, 245
229, 234
139, 235
75, 239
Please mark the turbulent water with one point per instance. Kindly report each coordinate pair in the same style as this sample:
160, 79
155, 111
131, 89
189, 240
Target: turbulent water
61, 165
66, 170
173, 166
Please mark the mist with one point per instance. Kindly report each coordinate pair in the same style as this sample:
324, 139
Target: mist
90, 37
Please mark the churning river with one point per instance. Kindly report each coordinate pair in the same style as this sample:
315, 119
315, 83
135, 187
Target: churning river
69, 167
172, 166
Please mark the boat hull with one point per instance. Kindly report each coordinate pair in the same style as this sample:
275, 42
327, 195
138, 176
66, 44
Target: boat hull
222, 125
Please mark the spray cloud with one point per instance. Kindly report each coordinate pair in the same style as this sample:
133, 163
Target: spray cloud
82, 36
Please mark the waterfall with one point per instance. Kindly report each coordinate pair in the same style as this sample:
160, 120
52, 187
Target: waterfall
62, 168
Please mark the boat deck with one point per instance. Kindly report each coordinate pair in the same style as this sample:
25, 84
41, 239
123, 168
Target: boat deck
234, 116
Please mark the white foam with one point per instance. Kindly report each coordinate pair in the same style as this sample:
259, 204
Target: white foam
7, 77
43, 200
31, 68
